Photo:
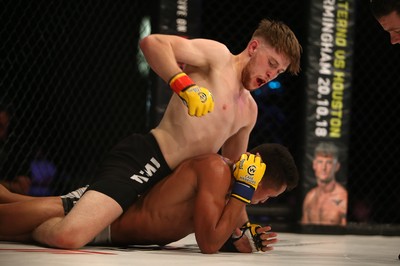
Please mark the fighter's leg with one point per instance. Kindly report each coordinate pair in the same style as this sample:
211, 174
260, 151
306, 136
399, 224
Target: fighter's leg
91, 214
22, 217
19, 184
129, 169
6, 196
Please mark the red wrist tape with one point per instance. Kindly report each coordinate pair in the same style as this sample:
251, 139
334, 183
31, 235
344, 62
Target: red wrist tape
180, 82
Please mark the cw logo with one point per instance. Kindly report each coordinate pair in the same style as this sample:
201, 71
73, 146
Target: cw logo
251, 170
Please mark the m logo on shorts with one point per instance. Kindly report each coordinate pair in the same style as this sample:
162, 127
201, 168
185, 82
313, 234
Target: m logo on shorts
149, 169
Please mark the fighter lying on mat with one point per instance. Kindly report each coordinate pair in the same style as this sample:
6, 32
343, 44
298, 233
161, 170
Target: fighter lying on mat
210, 203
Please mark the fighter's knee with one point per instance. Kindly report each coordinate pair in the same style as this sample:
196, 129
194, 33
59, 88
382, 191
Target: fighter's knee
58, 237
66, 240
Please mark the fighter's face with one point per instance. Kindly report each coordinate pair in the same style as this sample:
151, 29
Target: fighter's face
325, 168
264, 65
391, 24
266, 191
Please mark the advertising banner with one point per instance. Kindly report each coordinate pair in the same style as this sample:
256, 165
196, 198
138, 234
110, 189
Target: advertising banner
329, 56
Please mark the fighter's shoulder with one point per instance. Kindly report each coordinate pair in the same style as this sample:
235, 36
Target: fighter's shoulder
252, 102
213, 161
341, 189
311, 192
214, 50
210, 44
213, 158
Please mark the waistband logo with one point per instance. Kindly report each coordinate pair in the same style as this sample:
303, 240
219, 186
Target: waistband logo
149, 169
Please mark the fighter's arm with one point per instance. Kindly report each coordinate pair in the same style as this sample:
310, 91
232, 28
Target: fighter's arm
164, 53
343, 207
237, 144
214, 220
343, 219
306, 208
250, 238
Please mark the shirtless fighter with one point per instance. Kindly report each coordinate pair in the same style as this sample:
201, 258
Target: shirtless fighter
326, 204
211, 110
209, 203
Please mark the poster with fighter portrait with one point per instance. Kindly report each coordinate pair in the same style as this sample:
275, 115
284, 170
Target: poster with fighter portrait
328, 79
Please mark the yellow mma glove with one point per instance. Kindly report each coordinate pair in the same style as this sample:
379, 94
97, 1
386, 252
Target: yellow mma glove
250, 231
198, 100
248, 172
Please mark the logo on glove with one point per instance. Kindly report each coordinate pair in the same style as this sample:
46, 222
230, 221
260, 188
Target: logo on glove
203, 97
251, 170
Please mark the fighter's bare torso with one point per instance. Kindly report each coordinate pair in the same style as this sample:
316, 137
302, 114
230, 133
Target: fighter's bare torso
327, 208
181, 136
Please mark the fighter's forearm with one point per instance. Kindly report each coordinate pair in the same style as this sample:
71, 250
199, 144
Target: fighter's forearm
211, 238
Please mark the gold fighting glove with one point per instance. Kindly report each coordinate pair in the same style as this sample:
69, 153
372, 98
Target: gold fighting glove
198, 100
248, 172
250, 231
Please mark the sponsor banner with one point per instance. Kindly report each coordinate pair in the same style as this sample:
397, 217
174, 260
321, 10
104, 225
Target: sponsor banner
329, 56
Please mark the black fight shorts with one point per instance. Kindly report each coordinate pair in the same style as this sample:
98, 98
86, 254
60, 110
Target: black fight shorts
130, 168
